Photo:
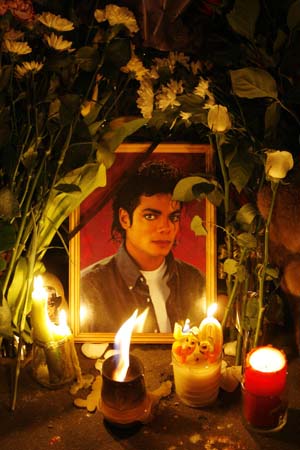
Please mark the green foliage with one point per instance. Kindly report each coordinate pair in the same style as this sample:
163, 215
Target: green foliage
56, 107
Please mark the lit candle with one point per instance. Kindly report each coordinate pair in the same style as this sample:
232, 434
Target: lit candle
124, 400
41, 324
55, 359
210, 330
196, 356
44, 330
264, 386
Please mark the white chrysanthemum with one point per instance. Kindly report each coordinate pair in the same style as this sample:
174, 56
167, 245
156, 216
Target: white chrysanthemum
145, 98
58, 43
210, 101
178, 57
202, 88
171, 60
153, 73
27, 67
17, 47
168, 95
185, 115
56, 22
13, 35
196, 66
117, 15
135, 66
99, 15
160, 63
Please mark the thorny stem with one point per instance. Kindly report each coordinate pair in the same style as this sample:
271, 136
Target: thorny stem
216, 144
262, 272
233, 291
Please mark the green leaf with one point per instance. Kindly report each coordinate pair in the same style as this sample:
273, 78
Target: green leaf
5, 74
272, 272
70, 104
105, 157
112, 139
246, 214
246, 240
64, 187
3, 263
16, 288
5, 319
230, 266
183, 191
240, 169
216, 197
293, 15
242, 18
9, 206
58, 62
272, 118
87, 58
60, 205
117, 54
7, 236
95, 110
241, 273
202, 189
252, 82
29, 157
197, 226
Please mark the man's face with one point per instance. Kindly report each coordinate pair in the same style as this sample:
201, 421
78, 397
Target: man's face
154, 227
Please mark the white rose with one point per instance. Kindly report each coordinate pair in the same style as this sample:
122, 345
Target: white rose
278, 163
218, 119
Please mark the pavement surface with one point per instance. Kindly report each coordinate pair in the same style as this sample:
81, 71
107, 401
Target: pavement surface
48, 419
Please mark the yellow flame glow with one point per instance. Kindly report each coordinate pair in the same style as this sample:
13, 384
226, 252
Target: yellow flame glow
211, 310
122, 342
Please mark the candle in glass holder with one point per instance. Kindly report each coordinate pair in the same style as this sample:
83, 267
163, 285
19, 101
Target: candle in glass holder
196, 358
54, 355
264, 389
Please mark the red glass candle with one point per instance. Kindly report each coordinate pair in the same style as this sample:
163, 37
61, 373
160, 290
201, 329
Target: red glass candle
264, 387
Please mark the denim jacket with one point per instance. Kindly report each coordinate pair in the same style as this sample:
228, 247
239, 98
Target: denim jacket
113, 288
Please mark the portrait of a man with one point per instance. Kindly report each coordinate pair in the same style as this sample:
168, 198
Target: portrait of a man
143, 273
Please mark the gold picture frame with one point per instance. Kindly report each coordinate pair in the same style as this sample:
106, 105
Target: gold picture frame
176, 151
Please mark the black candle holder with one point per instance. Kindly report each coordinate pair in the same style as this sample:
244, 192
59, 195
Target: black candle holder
124, 403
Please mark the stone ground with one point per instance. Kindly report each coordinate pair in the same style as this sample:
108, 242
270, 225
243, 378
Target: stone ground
47, 419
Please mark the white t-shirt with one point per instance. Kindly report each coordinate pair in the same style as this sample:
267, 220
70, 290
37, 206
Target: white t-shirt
159, 292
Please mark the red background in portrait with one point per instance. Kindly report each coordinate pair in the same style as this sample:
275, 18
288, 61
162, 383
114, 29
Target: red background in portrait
95, 240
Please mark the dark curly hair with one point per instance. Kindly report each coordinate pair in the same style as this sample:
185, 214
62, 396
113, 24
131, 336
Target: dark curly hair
153, 177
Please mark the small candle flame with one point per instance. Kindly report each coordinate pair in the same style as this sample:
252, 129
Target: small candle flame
122, 342
186, 326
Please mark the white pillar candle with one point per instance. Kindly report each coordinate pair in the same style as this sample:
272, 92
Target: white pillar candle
196, 358
40, 322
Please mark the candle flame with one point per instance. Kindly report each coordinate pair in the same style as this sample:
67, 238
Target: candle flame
211, 310
62, 328
267, 360
186, 326
39, 292
122, 342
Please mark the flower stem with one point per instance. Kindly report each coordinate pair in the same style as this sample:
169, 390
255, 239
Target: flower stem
262, 272
231, 298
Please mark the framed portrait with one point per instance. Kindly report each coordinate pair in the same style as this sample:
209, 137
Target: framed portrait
91, 242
